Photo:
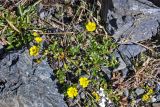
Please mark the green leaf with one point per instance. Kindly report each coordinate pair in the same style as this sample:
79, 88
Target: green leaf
10, 47
53, 46
18, 44
61, 76
74, 50
20, 10
1, 23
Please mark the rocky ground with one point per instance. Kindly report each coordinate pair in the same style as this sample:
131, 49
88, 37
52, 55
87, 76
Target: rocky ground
133, 24
24, 84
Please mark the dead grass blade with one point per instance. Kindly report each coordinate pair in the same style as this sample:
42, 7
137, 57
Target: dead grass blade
12, 26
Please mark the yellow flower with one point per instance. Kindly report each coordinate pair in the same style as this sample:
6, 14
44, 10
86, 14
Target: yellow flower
45, 52
84, 82
33, 51
38, 61
96, 96
35, 34
91, 26
38, 39
145, 97
72, 92
150, 91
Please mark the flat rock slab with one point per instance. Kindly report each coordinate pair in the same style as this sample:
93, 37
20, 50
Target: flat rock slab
24, 84
129, 22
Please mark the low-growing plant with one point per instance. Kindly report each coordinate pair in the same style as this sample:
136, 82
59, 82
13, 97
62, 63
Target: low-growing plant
79, 60
77, 57
16, 26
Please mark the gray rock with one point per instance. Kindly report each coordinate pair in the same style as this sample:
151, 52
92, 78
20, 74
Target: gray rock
158, 87
1, 49
42, 15
24, 84
126, 92
124, 54
153, 99
134, 20
156, 105
45, 11
129, 22
131, 50
139, 91
158, 98
122, 64
106, 71
124, 72
82, 95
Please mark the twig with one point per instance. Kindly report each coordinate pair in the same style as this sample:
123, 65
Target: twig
143, 46
51, 24
58, 33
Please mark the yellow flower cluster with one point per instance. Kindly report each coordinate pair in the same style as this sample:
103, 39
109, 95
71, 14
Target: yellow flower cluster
147, 96
35, 34
91, 26
96, 96
46, 52
38, 61
150, 91
84, 82
37, 38
34, 50
72, 92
